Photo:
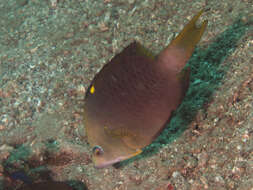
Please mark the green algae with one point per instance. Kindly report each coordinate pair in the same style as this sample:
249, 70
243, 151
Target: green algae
18, 154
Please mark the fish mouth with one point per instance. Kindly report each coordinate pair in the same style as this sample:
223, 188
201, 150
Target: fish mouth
106, 164
102, 164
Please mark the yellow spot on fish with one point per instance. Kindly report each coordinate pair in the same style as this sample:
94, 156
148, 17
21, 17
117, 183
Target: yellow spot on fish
92, 89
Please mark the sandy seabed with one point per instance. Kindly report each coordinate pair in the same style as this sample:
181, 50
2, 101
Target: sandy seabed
50, 51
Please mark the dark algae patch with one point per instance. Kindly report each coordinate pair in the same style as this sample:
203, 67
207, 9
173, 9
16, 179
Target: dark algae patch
29, 172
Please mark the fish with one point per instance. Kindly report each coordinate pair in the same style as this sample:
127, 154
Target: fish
131, 99
47, 185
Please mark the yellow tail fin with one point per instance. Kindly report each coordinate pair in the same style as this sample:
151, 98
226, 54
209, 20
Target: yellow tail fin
190, 35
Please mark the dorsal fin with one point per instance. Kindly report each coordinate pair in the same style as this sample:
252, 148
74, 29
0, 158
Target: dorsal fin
141, 50
190, 35
178, 52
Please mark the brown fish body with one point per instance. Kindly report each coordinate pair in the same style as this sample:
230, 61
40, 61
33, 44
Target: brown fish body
132, 97
131, 94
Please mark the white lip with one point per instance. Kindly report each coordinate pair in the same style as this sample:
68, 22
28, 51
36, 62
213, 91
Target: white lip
109, 163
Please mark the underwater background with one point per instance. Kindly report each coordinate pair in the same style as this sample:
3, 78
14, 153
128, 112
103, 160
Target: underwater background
51, 49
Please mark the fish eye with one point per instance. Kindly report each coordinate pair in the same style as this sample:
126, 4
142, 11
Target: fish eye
97, 150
